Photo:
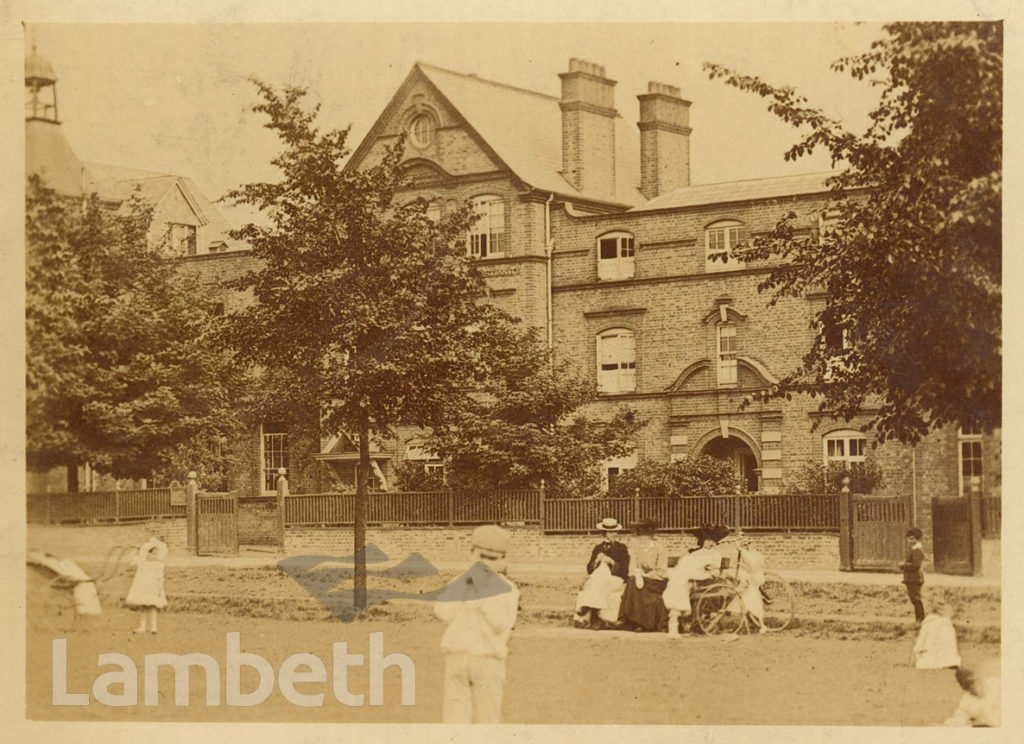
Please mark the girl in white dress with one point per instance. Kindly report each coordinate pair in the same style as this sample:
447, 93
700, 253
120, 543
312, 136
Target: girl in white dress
146, 593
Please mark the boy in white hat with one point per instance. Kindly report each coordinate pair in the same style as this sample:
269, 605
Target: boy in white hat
480, 608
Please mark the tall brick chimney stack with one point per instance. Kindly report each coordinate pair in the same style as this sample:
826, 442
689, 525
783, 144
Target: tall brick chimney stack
664, 140
588, 128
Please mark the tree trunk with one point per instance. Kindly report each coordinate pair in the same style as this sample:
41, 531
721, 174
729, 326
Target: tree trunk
359, 520
72, 468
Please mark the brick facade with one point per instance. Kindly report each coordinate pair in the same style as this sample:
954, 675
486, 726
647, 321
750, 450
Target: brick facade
671, 298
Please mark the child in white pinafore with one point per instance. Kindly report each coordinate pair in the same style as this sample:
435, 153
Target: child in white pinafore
146, 593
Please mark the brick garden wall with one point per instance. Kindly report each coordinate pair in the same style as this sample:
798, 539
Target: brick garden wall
95, 541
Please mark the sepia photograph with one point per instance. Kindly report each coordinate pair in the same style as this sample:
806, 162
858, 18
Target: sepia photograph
566, 373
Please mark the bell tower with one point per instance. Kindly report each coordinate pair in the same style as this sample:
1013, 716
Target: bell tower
40, 89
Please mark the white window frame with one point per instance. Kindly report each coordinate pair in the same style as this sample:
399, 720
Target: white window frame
616, 361
727, 347
842, 445
614, 467
721, 236
622, 265
970, 437
273, 455
488, 236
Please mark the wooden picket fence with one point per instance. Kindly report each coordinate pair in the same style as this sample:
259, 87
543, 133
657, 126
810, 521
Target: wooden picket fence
102, 506
749, 511
414, 508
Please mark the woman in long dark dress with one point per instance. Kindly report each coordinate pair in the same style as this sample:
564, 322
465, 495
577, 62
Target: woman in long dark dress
642, 605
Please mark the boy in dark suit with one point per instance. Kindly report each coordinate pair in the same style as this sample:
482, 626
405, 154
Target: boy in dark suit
913, 575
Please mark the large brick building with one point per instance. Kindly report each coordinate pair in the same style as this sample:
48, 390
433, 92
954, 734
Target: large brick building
591, 231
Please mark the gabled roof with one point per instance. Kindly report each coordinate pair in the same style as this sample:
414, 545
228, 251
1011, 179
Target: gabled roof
115, 183
523, 128
736, 191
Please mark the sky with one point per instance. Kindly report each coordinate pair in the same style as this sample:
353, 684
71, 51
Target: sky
177, 98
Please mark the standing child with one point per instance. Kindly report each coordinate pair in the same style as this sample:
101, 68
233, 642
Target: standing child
480, 608
913, 575
146, 593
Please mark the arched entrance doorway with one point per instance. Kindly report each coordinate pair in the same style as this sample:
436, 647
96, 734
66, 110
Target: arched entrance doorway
739, 453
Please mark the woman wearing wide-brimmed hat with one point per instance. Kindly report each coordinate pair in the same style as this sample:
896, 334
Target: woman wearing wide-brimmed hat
597, 604
642, 605
701, 564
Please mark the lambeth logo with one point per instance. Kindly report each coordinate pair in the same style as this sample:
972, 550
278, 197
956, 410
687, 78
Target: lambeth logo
322, 575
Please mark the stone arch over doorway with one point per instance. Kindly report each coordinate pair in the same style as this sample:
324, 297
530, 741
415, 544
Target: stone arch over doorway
739, 448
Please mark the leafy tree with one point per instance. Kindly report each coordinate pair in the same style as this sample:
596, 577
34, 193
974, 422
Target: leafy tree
703, 476
527, 426
911, 260
815, 478
412, 476
367, 312
120, 370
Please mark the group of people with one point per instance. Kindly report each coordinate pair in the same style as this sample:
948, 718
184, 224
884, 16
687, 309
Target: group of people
935, 646
636, 589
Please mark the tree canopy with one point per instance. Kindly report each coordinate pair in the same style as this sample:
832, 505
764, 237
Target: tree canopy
120, 368
910, 250
367, 312
527, 425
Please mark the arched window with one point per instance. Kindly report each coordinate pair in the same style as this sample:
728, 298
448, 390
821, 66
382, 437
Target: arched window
487, 236
616, 361
844, 446
720, 239
422, 130
615, 252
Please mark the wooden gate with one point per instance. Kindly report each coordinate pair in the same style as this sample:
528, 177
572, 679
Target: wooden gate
872, 532
216, 523
956, 535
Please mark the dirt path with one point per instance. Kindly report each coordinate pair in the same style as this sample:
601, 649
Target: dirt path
555, 675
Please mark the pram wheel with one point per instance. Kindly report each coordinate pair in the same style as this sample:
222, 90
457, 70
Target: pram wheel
720, 611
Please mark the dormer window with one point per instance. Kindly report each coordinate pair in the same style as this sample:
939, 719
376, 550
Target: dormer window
720, 240
182, 239
615, 256
487, 236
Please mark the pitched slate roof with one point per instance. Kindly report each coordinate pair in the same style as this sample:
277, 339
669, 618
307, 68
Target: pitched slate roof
735, 191
49, 156
524, 128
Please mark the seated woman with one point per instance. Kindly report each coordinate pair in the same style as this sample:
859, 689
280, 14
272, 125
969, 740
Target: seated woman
642, 606
700, 565
597, 604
